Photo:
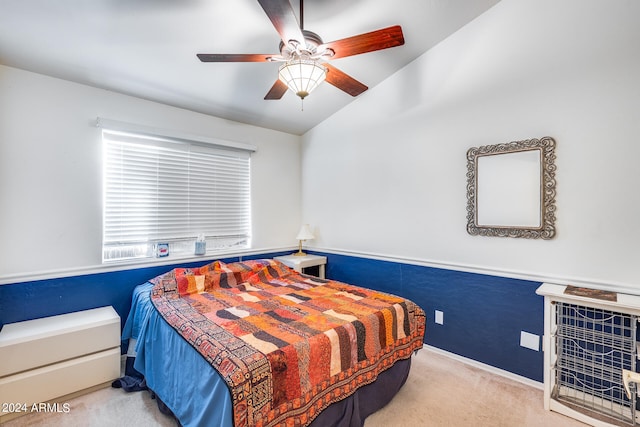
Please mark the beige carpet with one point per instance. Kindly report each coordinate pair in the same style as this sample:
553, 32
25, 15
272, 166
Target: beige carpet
440, 392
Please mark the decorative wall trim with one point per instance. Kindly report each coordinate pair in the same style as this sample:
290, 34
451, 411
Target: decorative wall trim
491, 271
513, 274
132, 265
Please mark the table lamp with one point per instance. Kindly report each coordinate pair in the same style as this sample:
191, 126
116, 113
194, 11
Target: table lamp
304, 234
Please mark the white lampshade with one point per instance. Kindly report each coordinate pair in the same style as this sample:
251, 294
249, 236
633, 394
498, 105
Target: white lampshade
305, 233
302, 76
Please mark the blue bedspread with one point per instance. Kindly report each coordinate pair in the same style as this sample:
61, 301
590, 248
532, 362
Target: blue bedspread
195, 403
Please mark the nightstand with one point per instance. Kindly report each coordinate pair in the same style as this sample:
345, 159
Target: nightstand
300, 262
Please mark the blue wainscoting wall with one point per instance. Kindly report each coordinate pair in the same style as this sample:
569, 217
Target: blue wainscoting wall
483, 315
50, 297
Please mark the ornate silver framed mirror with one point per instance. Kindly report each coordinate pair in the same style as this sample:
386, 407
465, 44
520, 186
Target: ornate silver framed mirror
511, 189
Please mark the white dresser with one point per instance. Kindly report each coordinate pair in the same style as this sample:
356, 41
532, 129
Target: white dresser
54, 357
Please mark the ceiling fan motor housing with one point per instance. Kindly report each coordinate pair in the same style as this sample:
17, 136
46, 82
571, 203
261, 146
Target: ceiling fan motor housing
295, 49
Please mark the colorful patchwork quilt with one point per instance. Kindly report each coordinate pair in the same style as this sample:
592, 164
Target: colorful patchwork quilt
288, 345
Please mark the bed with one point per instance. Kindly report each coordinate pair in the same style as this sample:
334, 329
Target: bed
255, 343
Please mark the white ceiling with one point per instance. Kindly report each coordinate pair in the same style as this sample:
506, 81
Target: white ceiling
147, 48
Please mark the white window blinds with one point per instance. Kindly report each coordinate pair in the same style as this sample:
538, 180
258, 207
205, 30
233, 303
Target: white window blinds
164, 190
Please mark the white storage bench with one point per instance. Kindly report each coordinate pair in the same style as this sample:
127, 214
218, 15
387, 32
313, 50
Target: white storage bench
53, 357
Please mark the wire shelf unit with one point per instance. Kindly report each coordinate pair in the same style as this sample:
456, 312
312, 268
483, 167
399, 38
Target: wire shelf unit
593, 346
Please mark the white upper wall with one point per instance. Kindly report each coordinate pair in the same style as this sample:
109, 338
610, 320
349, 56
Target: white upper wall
51, 171
387, 174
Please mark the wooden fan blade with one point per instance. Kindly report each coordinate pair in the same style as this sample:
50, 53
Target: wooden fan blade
283, 19
228, 57
277, 90
343, 81
367, 42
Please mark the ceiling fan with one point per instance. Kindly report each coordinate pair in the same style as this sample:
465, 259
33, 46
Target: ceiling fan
303, 54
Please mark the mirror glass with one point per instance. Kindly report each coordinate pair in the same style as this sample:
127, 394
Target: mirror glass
512, 202
511, 189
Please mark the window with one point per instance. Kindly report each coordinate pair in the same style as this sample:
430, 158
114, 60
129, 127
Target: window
164, 192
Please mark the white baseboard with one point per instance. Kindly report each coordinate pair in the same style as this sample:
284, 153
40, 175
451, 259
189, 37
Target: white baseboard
485, 367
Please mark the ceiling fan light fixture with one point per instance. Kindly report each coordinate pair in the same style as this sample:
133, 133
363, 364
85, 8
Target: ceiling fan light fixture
302, 76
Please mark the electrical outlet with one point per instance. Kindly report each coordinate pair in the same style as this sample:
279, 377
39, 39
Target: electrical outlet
439, 317
530, 341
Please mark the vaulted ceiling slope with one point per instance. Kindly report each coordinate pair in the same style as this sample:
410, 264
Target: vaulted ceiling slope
147, 49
